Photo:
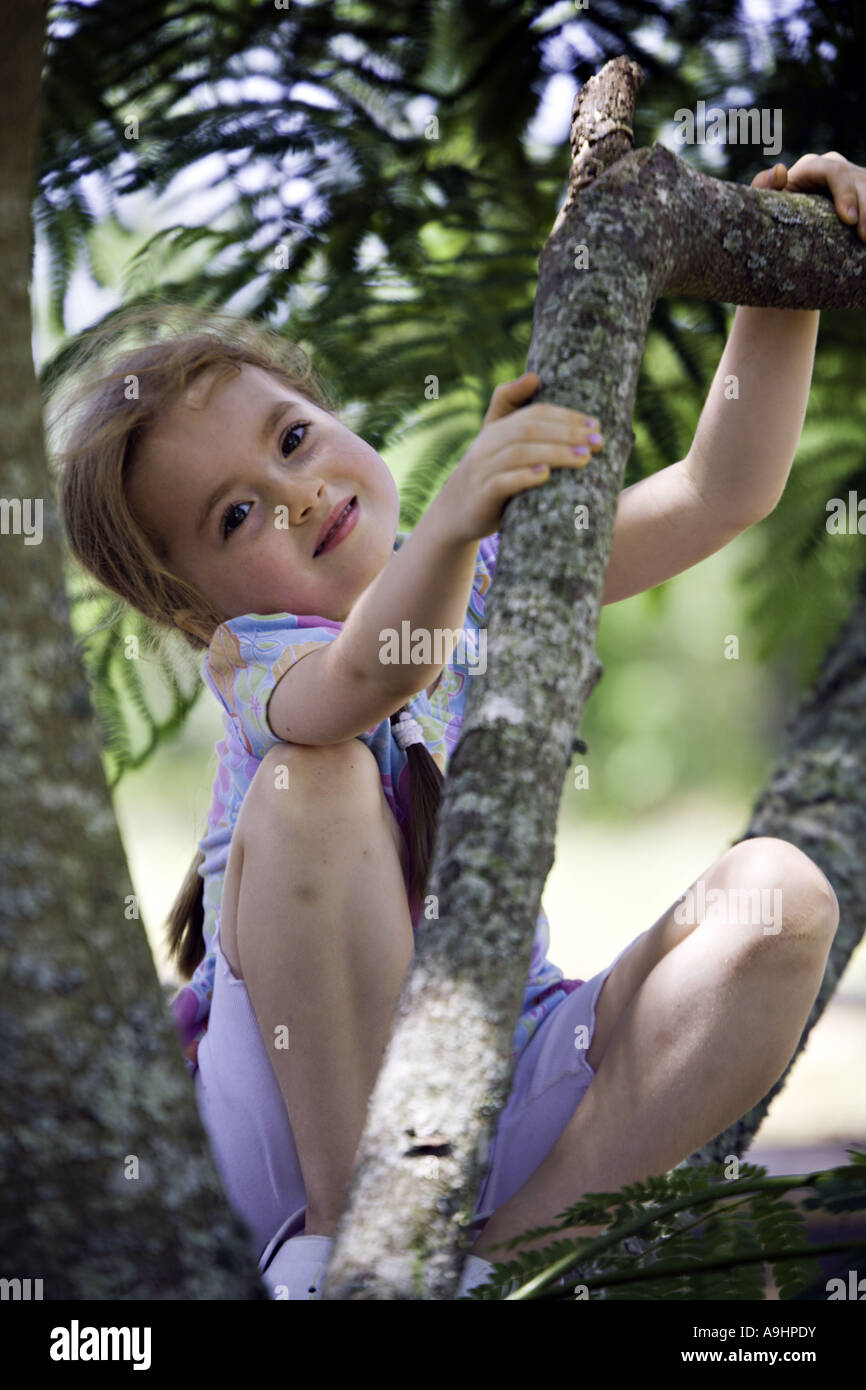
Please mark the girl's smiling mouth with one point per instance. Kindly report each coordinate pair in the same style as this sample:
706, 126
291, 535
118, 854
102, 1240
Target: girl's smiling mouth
345, 523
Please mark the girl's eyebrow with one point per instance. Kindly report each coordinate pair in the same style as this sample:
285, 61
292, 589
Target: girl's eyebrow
277, 410
272, 418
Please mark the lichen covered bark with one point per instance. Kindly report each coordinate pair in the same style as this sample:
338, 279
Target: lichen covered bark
107, 1184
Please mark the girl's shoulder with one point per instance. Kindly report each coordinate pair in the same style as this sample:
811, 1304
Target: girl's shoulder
249, 654
251, 624
260, 639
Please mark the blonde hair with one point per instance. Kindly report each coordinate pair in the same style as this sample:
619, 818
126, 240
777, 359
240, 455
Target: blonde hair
121, 380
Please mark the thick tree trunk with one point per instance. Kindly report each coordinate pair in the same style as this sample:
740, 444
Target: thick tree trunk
107, 1184
651, 226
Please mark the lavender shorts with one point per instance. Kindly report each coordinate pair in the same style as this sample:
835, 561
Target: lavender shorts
244, 1114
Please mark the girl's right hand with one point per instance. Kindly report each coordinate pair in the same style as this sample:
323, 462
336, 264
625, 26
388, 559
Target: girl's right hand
513, 439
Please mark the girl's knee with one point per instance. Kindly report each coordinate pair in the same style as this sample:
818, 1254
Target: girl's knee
774, 890
773, 871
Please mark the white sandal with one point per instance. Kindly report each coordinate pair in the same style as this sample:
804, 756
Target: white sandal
295, 1269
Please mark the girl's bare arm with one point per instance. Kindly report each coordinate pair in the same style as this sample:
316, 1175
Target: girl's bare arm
739, 462
741, 455
341, 690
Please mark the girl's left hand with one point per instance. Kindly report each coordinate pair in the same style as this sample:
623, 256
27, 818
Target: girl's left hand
846, 182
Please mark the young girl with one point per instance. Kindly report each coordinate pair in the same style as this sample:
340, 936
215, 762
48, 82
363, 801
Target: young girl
210, 483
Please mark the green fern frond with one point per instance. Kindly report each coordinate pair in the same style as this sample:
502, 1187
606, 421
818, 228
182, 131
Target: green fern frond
715, 1253
139, 702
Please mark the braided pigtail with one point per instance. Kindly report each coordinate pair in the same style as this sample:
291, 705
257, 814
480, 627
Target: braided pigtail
185, 922
425, 795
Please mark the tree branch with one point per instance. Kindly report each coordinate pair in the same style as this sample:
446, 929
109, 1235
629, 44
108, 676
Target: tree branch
651, 226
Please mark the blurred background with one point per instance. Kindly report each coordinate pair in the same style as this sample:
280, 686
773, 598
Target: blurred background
377, 181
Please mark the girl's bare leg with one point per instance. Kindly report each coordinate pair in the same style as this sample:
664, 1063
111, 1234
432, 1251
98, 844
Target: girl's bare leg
315, 920
701, 1021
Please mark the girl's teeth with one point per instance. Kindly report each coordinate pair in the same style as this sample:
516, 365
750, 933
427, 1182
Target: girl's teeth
337, 524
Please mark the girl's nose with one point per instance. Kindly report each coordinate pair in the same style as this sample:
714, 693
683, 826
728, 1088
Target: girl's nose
295, 499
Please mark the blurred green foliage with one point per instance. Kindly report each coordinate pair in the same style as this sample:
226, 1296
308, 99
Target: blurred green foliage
413, 257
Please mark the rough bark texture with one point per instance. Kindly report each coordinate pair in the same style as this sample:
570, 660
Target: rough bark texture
91, 1072
652, 226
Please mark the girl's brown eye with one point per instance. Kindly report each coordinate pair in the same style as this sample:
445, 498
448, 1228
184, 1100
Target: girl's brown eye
293, 429
227, 527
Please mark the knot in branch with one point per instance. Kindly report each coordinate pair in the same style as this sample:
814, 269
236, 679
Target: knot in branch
603, 107
439, 1145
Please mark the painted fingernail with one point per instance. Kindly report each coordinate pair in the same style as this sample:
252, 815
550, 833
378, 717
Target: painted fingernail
594, 438
580, 449
851, 213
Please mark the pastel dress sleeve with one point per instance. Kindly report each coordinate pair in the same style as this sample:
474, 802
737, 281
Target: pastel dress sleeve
441, 715
475, 662
248, 656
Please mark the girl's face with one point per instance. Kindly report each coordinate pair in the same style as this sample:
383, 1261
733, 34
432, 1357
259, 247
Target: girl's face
238, 491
